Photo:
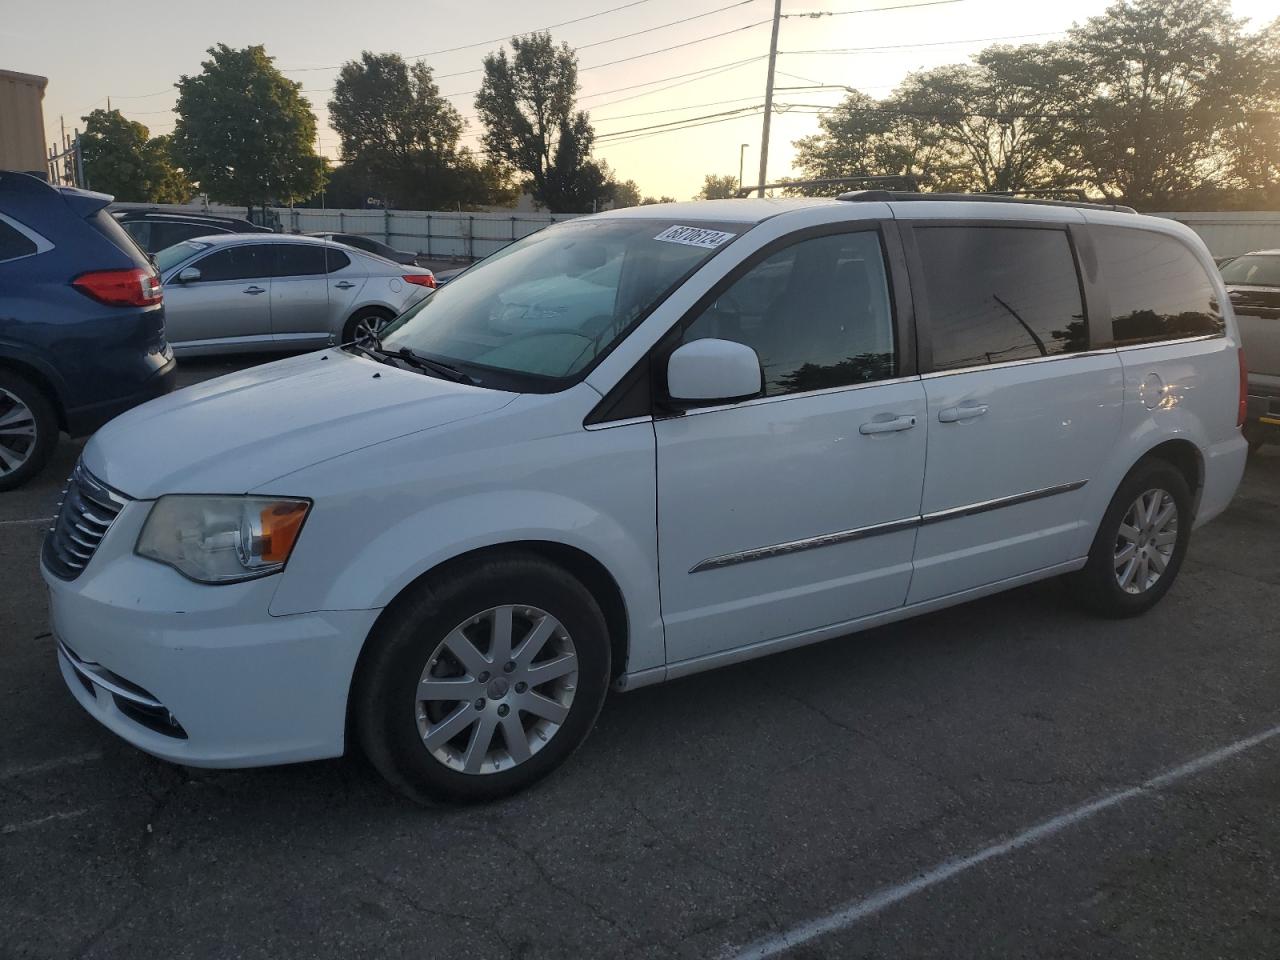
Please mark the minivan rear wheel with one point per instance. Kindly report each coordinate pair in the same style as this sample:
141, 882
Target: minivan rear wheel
1140, 544
480, 683
28, 430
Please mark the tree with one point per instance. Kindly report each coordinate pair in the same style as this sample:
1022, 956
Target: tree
718, 188
1170, 99
402, 136
245, 133
526, 103
863, 138
625, 195
121, 158
647, 201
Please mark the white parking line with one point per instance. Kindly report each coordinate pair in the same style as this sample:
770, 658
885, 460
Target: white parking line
29, 824
18, 523
11, 773
858, 910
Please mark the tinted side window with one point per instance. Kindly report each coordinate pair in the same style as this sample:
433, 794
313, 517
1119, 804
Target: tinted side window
13, 244
1158, 289
140, 230
298, 259
817, 313
249, 262
336, 259
1000, 293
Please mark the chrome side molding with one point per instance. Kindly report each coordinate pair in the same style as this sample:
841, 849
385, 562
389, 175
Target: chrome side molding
879, 529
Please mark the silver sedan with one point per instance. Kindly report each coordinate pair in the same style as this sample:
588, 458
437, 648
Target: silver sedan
233, 293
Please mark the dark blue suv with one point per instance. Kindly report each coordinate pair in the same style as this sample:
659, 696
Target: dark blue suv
81, 321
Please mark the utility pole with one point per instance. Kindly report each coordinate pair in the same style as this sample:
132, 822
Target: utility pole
742, 153
768, 97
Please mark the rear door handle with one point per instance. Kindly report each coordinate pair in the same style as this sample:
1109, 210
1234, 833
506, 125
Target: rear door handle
966, 412
887, 426
254, 291
344, 284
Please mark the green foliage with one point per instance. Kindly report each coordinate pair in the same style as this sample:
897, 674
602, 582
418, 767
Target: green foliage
121, 158
625, 195
647, 201
1163, 104
718, 188
400, 138
526, 103
245, 133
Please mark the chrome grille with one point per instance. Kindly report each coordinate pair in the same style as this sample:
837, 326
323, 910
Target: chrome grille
86, 511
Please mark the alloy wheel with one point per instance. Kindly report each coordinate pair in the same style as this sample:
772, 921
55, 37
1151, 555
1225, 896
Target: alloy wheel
17, 432
496, 689
1146, 540
369, 329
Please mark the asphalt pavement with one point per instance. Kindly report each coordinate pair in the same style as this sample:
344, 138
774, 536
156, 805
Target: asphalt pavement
1009, 778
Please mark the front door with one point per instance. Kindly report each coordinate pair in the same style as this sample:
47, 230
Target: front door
299, 294
1021, 414
230, 302
796, 510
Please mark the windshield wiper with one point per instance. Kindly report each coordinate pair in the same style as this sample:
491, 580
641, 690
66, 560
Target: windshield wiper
374, 355
437, 367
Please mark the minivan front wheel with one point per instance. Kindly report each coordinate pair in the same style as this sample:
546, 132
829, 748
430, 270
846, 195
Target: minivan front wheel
28, 430
1141, 543
480, 683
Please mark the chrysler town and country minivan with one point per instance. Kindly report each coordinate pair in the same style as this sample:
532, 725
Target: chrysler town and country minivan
635, 446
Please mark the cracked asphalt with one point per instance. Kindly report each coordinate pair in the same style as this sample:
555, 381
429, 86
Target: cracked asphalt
714, 811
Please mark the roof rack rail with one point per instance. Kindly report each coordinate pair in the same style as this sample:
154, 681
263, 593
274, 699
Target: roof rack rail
866, 196
902, 183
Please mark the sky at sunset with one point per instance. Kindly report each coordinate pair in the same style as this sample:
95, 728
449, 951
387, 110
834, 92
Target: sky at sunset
134, 51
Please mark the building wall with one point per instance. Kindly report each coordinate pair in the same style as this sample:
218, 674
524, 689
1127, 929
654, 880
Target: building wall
22, 122
1233, 233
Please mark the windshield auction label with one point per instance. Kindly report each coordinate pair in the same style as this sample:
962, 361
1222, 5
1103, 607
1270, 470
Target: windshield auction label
694, 236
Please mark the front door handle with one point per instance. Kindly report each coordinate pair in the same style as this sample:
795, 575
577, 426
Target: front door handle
887, 426
965, 412
254, 291
344, 284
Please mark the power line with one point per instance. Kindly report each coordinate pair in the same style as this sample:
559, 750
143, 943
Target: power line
484, 43
673, 23
728, 114
816, 14
907, 46
687, 106
689, 126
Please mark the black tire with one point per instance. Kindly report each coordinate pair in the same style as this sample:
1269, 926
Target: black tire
385, 703
349, 330
1097, 586
34, 452
1255, 435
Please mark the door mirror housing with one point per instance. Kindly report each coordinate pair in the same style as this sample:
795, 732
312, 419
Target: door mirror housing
709, 371
188, 275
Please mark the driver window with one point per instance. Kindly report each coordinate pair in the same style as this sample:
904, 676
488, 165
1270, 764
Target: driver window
817, 314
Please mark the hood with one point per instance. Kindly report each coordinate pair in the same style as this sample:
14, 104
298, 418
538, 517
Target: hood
235, 433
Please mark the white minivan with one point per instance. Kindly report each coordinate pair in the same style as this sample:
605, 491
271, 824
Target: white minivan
635, 446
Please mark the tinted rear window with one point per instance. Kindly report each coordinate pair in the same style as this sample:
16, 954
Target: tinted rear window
336, 259
299, 259
1000, 293
1158, 289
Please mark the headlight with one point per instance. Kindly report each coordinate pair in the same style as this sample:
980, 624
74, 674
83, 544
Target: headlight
222, 539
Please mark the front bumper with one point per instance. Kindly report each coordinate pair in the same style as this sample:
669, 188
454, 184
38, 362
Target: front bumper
196, 674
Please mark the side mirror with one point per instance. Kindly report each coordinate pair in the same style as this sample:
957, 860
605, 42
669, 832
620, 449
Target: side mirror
188, 275
710, 371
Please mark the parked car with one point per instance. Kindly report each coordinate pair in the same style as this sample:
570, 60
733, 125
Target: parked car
249, 292
1253, 284
796, 419
370, 245
81, 321
156, 229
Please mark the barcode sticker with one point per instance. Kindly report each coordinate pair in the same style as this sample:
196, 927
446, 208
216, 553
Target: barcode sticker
694, 236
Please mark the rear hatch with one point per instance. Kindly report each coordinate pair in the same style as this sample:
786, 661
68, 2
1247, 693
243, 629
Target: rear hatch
1253, 284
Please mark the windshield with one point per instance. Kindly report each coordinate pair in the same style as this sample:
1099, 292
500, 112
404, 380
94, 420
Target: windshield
1262, 270
546, 307
172, 256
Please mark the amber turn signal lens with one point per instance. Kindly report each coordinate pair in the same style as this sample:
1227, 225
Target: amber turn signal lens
281, 525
